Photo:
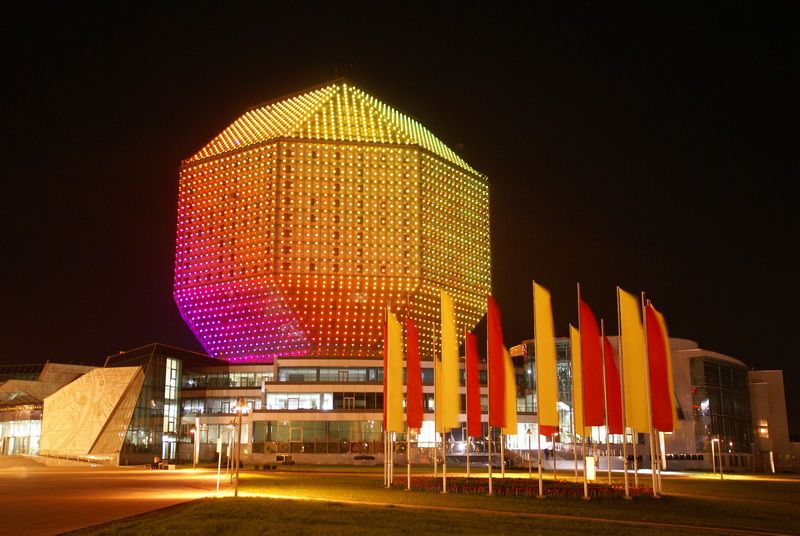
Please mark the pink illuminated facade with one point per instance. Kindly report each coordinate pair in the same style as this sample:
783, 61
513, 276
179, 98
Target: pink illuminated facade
304, 219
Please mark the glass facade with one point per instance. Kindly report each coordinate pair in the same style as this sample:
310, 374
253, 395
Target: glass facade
527, 404
20, 430
317, 437
721, 405
154, 426
223, 380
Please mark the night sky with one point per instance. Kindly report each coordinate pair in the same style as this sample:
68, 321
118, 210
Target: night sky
649, 146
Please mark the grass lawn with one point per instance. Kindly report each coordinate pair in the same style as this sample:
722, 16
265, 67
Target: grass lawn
333, 509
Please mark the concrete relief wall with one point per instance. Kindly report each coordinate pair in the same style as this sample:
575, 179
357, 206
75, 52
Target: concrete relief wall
76, 415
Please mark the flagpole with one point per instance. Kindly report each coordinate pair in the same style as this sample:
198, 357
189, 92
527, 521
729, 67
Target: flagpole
605, 399
444, 395
408, 429
466, 393
653, 460
391, 472
408, 458
622, 398
436, 408
436, 414
385, 397
574, 437
553, 437
575, 451
490, 455
536, 356
660, 454
488, 400
583, 432
436, 417
539, 460
502, 454
444, 460
386, 459
583, 454
467, 446
635, 442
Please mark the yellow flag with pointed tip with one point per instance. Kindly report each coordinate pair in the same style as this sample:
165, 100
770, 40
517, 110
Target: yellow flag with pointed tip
577, 378
437, 397
545, 342
510, 427
634, 363
394, 375
451, 384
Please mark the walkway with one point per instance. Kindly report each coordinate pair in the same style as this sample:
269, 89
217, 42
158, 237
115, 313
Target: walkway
45, 497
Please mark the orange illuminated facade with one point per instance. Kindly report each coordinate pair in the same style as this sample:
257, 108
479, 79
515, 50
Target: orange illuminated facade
305, 218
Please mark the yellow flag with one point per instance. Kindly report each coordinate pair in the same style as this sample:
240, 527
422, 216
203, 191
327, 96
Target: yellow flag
577, 378
394, 376
545, 341
451, 385
510, 427
634, 362
437, 397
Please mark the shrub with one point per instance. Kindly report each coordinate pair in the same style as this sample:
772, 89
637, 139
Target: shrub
517, 487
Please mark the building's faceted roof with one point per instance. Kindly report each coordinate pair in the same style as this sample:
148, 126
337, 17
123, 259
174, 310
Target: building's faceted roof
337, 111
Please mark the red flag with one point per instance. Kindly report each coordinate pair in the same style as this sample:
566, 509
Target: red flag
474, 428
413, 377
613, 391
547, 430
495, 365
658, 357
592, 360
385, 362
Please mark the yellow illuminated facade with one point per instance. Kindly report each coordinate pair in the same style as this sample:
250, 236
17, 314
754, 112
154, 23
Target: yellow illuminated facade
308, 216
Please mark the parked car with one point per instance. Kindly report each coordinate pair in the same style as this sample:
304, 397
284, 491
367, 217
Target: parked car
285, 459
364, 459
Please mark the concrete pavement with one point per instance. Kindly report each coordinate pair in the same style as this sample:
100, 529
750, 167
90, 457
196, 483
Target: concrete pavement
40, 496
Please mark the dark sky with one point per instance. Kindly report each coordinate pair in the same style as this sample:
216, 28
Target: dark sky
651, 146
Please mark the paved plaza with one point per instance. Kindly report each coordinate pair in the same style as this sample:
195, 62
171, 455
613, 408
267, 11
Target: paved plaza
42, 496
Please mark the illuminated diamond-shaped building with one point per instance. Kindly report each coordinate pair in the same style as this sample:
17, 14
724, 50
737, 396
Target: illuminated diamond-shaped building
309, 215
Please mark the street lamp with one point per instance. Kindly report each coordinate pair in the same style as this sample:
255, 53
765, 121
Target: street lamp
196, 457
719, 450
241, 408
193, 431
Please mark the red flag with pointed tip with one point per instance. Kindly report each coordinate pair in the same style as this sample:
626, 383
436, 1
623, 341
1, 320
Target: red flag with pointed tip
413, 377
474, 428
592, 361
613, 391
661, 396
496, 365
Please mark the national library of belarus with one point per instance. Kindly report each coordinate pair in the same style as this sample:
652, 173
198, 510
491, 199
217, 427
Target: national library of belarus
298, 225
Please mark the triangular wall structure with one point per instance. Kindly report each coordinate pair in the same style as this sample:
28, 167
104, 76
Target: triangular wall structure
88, 418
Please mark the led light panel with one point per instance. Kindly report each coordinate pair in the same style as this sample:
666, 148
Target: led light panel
303, 220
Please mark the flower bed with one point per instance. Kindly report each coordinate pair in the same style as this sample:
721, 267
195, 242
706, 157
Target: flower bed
520, 487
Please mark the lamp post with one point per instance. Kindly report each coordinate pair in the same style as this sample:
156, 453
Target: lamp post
713, 458
719, 450
193, 431
196, 457
241, 408
229, 451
